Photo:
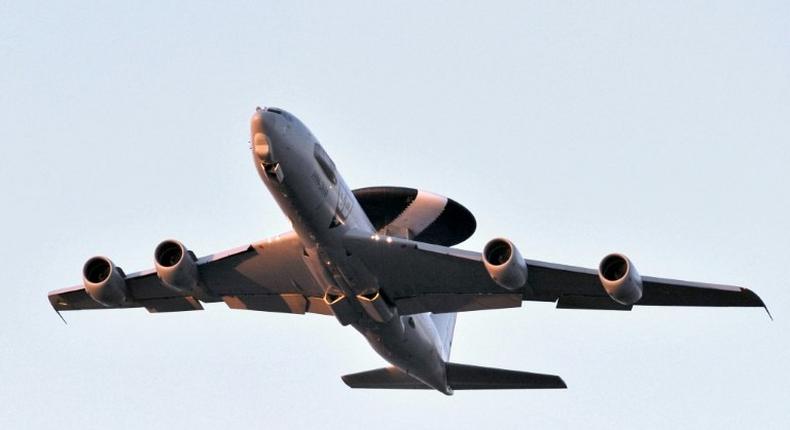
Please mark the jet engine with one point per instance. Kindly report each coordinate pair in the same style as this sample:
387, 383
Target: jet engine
505, 264
104, 282
175, 266
620, 279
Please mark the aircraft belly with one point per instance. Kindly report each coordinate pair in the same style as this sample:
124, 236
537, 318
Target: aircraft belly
411, 344
324, 211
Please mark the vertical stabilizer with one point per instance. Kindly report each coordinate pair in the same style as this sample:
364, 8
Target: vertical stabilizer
445, 325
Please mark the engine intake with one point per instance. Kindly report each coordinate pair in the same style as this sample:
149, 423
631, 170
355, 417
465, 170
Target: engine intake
620, 279
176, 267
505, 264
104, 282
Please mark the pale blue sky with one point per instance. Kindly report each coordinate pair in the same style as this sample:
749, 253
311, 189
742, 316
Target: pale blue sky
658, 129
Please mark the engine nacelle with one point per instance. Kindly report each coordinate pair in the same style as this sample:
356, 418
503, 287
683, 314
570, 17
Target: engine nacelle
104, 282
505, 264
620, 279
176, 266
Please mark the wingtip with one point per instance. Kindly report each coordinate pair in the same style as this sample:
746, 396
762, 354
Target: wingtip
757, 301
762, 303
768, 312
61, 317
53, 301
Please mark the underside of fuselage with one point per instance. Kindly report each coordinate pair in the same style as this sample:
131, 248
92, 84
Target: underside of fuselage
324, 212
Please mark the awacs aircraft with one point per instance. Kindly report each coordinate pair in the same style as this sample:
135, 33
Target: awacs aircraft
381, 260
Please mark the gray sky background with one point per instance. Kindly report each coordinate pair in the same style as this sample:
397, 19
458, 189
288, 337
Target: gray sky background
658, 129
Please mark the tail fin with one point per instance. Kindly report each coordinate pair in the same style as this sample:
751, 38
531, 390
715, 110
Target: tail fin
459, 377
445, 325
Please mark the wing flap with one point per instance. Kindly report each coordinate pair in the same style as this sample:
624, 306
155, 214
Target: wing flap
172, 304
285, 303
590, 302
446, 303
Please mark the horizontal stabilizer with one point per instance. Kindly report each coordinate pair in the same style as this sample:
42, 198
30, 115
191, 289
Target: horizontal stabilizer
466, 377
385, 377
459, 377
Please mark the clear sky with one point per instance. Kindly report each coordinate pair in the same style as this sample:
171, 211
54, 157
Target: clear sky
658, 129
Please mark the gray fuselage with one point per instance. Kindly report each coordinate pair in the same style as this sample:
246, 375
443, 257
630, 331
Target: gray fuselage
324, 212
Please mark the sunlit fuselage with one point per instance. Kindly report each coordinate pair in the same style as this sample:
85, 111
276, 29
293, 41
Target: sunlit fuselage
324, 212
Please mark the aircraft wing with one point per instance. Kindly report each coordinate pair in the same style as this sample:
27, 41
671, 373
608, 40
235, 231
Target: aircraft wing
268, 276
420, 277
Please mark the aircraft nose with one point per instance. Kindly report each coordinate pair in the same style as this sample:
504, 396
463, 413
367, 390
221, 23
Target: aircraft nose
257, 120
261, 144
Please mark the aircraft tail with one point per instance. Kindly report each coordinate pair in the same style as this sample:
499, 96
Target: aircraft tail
445, 325
459, 377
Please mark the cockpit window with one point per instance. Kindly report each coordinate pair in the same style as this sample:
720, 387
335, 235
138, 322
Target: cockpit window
327, 166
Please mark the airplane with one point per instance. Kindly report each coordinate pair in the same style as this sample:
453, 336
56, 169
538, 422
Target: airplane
380, 259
